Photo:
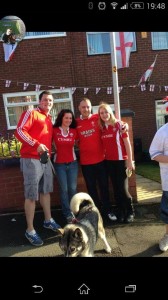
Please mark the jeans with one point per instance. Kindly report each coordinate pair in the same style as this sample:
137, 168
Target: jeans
67, 174
164, 207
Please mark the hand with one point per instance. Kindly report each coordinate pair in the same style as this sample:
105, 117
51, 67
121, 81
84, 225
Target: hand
41, 148
124, 127
130, 165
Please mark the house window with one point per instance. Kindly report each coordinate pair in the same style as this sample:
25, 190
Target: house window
99, 43
37, 35
159, 40
16, 103
160, 114
95, 108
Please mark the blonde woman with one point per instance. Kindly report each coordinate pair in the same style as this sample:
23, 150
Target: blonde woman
118, 157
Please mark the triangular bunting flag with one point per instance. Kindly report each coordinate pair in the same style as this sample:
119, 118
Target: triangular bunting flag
25, 86
38, 86
7, 83
143, 87
85, 90
109, 90
97, 90
152, 87
73, 89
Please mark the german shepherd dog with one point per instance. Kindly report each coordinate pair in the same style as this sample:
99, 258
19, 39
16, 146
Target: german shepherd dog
79, 239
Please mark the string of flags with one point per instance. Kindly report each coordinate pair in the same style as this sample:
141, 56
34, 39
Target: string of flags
109, 90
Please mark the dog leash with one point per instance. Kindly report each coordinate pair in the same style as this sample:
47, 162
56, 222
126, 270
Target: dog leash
52, 167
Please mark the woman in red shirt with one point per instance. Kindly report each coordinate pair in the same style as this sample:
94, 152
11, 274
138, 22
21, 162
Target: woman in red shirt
118, 156
65, 162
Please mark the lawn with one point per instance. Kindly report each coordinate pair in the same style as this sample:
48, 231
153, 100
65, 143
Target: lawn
148, 170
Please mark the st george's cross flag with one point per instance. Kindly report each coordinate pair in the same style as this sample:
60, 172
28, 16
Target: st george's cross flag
9, 50
124, 42
146, 76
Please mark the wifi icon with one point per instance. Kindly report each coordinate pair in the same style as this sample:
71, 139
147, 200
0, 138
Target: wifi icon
114, 4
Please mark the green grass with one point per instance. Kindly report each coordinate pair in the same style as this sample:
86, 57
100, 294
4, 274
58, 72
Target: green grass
148, 170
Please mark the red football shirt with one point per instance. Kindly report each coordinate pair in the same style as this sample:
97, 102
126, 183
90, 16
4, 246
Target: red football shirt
90, 143
113, 143
64, 145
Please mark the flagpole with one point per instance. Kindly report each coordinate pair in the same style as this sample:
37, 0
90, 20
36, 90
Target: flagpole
115, 75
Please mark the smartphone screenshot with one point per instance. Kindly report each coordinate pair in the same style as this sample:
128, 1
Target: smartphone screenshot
103, 69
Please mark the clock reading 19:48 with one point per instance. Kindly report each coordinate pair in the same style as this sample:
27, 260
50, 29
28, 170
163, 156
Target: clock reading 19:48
153, 5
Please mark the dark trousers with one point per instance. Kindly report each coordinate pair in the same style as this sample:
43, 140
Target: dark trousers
116, 171
96, 179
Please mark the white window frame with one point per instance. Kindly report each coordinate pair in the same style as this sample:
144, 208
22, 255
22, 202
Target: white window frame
42, 35
95, 108
34, 103
160, 115
100, 53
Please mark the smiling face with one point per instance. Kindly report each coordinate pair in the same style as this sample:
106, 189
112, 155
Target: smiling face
67, 120
85, 108
46, 103
104, 115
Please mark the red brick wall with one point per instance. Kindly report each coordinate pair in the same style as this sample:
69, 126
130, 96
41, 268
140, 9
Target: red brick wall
12, 189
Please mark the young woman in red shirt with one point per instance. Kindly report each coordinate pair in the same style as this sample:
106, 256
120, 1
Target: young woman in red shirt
65, 161
118, 158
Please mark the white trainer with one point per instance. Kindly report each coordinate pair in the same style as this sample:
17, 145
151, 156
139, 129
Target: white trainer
112, 217
163, 245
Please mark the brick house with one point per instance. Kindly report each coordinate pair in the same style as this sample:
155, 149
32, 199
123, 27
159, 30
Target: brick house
66, 64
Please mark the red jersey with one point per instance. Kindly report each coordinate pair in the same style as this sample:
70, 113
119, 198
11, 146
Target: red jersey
34, 128
90, 143
113, 143
64, 145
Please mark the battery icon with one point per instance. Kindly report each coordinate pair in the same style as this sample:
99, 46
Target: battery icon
137, 5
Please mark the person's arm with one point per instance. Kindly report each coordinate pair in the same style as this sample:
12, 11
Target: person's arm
22, 132
130, 162
156, 149
161, 158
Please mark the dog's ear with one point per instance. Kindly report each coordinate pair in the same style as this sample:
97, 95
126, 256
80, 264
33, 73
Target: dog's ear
78, 234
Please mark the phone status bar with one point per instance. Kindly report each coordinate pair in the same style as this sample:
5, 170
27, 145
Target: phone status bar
104, 6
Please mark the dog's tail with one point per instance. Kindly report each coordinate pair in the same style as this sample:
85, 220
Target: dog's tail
79, 199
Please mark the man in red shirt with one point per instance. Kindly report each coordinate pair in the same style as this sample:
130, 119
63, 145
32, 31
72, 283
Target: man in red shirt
92, 158
34, 131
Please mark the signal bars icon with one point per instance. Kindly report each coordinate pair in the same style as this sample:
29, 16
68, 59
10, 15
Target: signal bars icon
125, 6
114, 4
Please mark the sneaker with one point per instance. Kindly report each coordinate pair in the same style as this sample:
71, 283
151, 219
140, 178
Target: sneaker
34, 239
112, 217
163, 245
71, 219
129, 218
51, 225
